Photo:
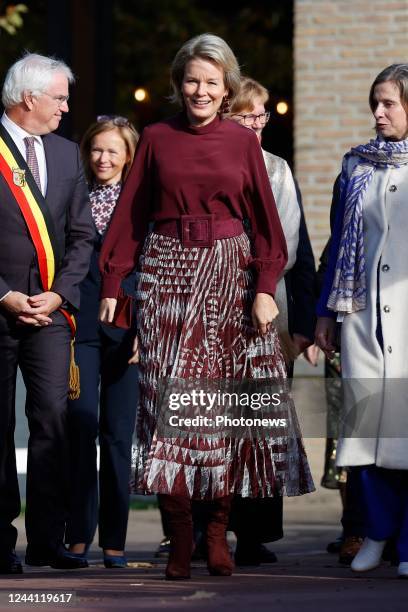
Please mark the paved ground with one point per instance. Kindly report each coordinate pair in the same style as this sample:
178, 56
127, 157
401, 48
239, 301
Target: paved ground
300, 582
305, 578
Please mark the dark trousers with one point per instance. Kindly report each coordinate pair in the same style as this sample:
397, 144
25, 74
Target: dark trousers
253, 520
257, 520
102, 362
164, 518
43, 357
386, 497
353, 517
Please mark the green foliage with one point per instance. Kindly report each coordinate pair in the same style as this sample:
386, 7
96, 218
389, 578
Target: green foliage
136, 503
148, 34
32, 36
12, 20
141, 504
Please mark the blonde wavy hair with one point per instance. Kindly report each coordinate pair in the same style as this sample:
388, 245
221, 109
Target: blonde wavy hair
208, 47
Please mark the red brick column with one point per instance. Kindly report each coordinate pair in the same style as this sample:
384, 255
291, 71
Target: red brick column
340, 46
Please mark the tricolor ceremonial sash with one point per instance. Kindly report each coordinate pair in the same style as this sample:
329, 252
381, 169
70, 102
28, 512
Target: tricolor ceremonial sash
37, 216
33, 207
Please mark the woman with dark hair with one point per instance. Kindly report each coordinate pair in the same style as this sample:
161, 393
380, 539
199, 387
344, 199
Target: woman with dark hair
204, 302
366, 288
106, 407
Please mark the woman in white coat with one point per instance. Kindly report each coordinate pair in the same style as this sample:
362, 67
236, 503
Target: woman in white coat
366, 288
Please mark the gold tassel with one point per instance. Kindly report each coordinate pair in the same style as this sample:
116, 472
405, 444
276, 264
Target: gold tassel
74, 383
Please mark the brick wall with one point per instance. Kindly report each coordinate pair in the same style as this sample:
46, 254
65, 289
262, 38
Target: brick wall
340, 46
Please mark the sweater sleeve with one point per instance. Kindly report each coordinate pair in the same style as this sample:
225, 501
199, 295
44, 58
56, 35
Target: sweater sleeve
128, 227
270, 252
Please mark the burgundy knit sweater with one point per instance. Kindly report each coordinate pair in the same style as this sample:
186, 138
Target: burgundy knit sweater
182, 170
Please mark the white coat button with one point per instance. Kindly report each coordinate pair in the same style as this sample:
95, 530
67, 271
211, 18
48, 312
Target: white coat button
389, 349
393, 188
385, 268
387, 309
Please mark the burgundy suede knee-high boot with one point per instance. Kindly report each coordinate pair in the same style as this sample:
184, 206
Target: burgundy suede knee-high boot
178, 513
219, 560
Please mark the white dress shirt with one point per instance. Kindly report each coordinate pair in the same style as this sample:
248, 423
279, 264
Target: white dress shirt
18, 134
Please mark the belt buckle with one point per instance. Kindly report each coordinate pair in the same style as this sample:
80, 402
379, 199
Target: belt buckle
197, 230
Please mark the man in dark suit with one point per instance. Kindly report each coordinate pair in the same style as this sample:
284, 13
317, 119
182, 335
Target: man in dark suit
46, 238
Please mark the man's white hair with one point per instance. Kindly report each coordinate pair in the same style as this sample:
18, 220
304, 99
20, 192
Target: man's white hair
32, 73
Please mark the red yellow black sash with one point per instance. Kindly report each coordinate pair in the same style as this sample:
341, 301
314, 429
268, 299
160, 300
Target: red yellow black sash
35, 212
32, 206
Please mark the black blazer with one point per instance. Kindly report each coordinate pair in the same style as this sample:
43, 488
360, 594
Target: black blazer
301, 284
88, 326
324, 257
68, 202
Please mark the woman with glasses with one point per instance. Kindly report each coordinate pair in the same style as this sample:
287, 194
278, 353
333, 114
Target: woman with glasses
258, 521
248, 109
205, 303
107, 403
295, 292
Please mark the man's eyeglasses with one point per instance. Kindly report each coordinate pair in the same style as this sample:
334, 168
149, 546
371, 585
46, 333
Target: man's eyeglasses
249, 120
60, 100
115, 119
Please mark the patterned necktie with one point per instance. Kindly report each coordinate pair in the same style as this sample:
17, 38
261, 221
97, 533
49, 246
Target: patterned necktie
32, 161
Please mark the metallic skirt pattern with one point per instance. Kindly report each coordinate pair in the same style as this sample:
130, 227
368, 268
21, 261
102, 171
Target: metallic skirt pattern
194, 322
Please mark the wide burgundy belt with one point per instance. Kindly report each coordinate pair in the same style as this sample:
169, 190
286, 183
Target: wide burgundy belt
199, 230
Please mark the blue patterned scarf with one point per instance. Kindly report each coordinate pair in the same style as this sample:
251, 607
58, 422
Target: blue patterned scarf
349, 290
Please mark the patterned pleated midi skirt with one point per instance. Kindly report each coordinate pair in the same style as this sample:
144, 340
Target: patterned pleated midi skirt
194, 322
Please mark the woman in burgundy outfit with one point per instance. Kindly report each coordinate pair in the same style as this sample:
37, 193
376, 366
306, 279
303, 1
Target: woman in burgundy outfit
204, 301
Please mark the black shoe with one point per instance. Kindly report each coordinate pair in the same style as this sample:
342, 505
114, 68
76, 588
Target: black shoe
391, 553
253, 553
247, 553
10, 563
163, 549
60, 559
334, 547
64, 560
266, 555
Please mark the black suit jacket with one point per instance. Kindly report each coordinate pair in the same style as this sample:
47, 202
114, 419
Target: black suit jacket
68, 202
324, 257
301, 283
